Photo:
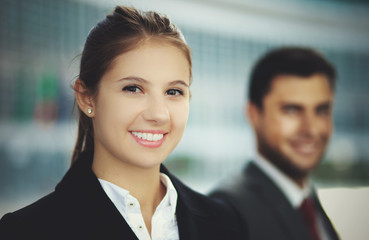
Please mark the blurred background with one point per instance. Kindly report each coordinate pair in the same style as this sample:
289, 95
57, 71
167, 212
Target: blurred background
40, 41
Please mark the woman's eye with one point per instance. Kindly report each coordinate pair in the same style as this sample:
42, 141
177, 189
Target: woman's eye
133, 89
174, 92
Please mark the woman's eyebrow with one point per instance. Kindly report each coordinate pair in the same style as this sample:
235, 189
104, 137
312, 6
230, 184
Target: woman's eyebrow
142, 80
134, 78
181, 82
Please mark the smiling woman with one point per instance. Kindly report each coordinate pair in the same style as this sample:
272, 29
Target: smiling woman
155, 100
133, 101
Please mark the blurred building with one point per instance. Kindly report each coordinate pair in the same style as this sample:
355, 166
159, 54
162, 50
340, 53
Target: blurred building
39, 45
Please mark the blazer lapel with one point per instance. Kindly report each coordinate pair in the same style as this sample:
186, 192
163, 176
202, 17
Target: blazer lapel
185, 225
286, 216
197, 217
327, 224
186, 211
94, 213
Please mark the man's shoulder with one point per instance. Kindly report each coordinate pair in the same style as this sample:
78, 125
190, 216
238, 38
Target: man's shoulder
249, 192
256, 200
242, 184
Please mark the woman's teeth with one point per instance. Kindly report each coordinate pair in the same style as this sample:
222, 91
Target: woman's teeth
148, 136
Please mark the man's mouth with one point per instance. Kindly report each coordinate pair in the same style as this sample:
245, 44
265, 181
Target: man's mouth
306, 148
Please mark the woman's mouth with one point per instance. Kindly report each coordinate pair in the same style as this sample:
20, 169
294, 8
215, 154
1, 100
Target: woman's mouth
149, 139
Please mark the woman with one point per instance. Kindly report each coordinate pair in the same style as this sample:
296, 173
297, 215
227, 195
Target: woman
133, 100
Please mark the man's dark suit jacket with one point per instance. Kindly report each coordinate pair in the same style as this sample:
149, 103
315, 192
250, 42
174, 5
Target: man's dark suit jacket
265, 209
80, 209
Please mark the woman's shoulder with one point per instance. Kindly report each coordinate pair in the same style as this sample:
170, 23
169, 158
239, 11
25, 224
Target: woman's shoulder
203, 205
34, 217
213, 217
197, 201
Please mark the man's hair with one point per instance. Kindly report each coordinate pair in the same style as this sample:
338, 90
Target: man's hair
302, 62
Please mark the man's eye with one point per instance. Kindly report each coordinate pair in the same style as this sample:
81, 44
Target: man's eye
133, 89
323, 111
290, 110
174, 92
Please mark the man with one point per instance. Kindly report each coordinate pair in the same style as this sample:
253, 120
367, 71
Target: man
290, 109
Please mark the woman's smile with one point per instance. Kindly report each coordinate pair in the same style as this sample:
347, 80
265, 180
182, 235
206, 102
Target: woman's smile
150, 139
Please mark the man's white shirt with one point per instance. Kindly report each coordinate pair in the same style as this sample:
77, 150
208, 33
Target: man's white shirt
294, 194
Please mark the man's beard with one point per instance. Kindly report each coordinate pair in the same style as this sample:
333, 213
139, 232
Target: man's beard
281, 161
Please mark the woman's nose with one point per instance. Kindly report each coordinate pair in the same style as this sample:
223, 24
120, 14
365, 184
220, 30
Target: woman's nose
156, 110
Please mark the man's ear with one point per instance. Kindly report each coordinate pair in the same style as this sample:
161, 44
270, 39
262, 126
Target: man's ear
84, 98
252, 113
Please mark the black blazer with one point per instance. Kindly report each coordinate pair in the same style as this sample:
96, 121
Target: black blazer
80, 209
265, 209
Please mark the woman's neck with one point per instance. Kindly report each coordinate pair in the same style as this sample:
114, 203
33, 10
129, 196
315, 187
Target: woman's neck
142, 183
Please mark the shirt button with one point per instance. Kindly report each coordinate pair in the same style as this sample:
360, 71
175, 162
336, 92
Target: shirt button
140, 227
131, 204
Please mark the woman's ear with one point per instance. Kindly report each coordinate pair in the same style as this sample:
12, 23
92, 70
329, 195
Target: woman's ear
84, 98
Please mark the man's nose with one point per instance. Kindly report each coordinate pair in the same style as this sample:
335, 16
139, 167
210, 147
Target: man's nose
309, 124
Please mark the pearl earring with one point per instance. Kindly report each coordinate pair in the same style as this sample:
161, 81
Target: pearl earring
89, 111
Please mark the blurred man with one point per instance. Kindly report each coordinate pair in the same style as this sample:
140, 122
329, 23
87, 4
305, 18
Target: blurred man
290, 109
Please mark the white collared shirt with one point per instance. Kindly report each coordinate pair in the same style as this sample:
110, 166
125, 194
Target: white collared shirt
163, 223
288, 187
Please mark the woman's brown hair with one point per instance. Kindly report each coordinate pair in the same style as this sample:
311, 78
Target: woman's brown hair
123, 30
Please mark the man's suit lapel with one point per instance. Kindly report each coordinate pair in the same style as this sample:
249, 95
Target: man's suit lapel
286, 216
327, 224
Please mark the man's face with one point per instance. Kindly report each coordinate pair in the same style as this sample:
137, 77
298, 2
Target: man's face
295, 123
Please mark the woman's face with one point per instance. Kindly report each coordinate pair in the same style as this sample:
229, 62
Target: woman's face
142, 106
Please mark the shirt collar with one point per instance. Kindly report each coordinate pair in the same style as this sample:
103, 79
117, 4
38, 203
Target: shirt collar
171, 195
289, 188
121, 197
